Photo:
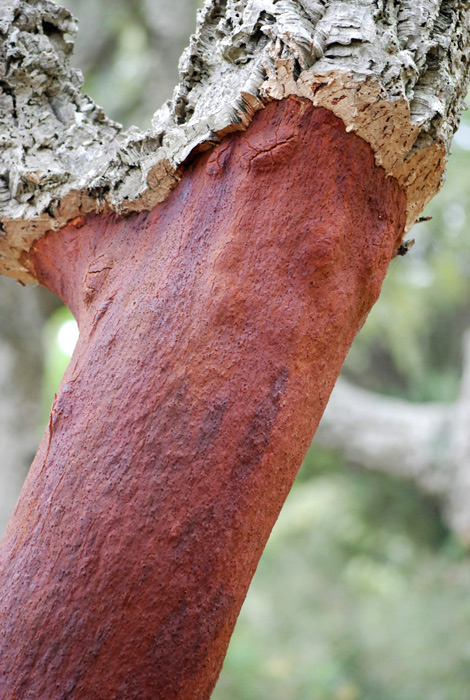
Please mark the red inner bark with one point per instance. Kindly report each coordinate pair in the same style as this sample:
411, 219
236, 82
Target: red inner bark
212, 330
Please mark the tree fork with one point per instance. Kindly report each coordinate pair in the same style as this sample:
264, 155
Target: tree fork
212, 330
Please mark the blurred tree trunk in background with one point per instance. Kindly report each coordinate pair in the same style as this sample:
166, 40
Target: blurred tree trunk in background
22, 315
426, 443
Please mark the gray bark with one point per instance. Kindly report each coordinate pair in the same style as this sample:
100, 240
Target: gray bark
396, 73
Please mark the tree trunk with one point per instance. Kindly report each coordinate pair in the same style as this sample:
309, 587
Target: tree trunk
213, 320
211, 335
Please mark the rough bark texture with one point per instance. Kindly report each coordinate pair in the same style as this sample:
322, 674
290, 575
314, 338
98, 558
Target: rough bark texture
211, 335
396, 73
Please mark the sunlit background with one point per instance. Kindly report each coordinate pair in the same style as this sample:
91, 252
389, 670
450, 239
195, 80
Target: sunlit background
363, 591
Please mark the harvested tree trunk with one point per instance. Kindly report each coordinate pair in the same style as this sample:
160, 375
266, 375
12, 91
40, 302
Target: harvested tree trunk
213, 319
211, 333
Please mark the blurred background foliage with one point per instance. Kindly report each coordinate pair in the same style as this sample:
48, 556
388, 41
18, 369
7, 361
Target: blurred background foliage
362, 593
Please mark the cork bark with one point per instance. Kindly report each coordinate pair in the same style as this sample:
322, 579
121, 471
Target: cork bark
212, 330
396, 73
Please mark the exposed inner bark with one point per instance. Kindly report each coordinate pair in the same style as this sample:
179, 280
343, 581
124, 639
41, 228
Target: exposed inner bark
212, 330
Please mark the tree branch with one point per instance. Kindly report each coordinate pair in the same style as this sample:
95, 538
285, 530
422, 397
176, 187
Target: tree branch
427, 443
388, 435
396, 75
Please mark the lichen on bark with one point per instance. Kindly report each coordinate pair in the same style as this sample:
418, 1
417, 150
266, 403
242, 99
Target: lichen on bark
395, 72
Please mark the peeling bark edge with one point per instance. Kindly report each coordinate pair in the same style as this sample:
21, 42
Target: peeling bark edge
395, 73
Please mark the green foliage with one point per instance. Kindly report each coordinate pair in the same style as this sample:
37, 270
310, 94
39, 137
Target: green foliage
129, 50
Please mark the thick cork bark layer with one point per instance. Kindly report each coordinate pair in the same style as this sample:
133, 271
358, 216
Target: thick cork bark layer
212, 330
